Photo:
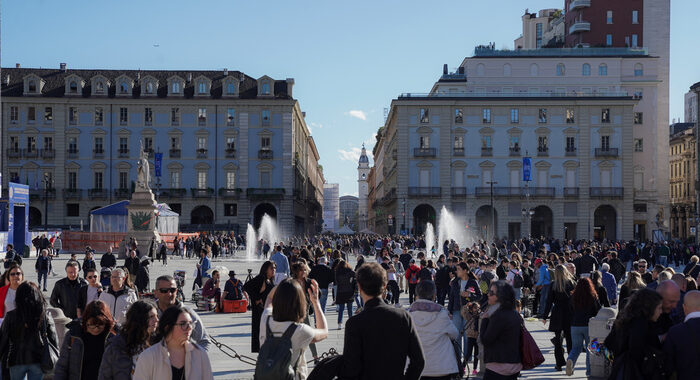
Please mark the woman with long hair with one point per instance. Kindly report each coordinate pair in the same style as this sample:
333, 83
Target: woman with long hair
558, 302
258, 288
300, 272
286, 309
122, 351
633, 283
23, 331
345, 283
84, 343
597, 280
176, 356
585, 305
500, 331
8, 293
634, 340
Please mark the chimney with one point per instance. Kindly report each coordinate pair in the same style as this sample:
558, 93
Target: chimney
290, 86
17, 66
225, 72
189, 77
444, 69
63, 67
303, 114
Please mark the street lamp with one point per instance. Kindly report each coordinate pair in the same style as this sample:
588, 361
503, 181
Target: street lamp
493, 213
47, 183
403, 226
527, 214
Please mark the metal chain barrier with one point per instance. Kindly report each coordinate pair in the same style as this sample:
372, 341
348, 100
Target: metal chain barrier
233, 354
331, 352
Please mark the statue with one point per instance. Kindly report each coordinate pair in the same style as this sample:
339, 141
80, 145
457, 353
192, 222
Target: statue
143, 172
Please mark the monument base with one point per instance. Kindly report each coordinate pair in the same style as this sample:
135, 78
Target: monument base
142, 220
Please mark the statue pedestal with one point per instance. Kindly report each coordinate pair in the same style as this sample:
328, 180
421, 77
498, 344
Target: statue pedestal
141, 223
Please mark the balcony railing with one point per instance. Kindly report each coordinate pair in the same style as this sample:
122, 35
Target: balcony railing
48, 154
422, 191
387, 198
499, 191
122, 193
14, 153
98, 153
458, 151
606, 152
265, 154
173, 192
570, 151
230, 193
571, 192
607, 192
72, 153
72, 193
460, 192
515, 151
30, 153
42, 193
175, 153
486, 151
98, 193
202, 193
123, 153
230, 153
202, 153
542, 192
264, 193
580, 26
578, 4
424, 152
542, 151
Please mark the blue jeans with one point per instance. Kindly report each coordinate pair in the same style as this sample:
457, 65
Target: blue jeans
663, 260
518, 293
323, 298
341, 308
579, 340
462, 338
43, 275
32, 371
544, 294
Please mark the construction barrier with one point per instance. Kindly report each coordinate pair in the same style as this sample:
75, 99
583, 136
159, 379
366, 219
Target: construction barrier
76, 241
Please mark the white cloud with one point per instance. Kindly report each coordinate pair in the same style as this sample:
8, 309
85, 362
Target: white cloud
357, 114
353, 154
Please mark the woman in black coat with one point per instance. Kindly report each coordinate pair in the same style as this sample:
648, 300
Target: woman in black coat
345, 283
500, 331
258, 288
559, 304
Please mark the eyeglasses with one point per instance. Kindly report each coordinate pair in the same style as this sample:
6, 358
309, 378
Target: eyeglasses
185, 325
95, 325
91, 277
16, 274
167, 290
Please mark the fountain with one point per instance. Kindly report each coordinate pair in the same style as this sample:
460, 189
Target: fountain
450, 227
251, 243
268, 230
429, 239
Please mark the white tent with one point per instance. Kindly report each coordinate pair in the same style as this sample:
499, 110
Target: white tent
345, 230
113, 218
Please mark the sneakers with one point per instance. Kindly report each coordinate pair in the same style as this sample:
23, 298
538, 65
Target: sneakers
475, 372
569, 367
397, 305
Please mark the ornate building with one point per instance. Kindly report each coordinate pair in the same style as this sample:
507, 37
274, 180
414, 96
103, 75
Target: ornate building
362, 189
683, 174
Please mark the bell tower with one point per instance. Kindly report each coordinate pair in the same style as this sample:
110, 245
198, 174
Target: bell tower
362, 188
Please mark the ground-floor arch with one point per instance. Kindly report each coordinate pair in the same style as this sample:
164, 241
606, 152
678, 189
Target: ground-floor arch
605, 223
201, 215
422, 215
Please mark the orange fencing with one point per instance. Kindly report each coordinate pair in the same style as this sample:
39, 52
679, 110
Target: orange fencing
75, 241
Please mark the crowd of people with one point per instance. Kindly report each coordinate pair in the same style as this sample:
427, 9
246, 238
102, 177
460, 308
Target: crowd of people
465, 311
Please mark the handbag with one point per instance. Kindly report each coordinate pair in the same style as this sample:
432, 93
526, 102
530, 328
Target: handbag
530, 354
49, 352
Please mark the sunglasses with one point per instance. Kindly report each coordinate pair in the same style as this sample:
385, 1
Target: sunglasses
16, 274
91, 277
167, 290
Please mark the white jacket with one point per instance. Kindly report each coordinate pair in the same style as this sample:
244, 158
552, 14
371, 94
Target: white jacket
435, 328
154, 363
119, 302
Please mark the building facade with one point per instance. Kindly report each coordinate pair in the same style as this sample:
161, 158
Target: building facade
349, 207
331, 206
233, 147
542, 29
683, 174
690, 107
363, 189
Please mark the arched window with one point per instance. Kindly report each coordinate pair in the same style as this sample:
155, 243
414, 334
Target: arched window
534, 70
603, 70
73, 87
32, 86
230, 88
176, 87
480, 70
202, 87
586, 70
123, 88
507, 70
149, 87
638, 70
561, 70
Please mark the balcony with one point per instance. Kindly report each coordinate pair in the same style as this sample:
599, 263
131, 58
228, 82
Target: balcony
424, 152
515, 151
542, 151
30, 153
387, 198
48, 154
202, 193
542, 192
122, 193
486, 151
175, 153
72, 153
607, 192
14, 154
42, 193
265, 154
264, 193
424, 191
579, 4
458, 152
230, 153
76, 194
98, 193
571, 192
98, 153
202, 153
230, 193
123, 153
459, 192
580, 26
570, 151
173, 193
606, 152
499, 191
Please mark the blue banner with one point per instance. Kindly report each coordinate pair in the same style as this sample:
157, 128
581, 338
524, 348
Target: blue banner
527, 168
157, 165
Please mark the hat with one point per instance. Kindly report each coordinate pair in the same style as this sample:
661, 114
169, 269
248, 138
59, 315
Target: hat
413, 261
538, 261
232, 273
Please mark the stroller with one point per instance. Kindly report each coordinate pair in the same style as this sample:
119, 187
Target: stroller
180, 276
105, 274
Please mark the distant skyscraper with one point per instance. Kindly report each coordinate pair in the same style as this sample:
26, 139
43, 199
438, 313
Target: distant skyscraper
362, 188
331, 206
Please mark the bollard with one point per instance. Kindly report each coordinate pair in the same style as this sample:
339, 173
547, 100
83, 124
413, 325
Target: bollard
60, 321
599, 328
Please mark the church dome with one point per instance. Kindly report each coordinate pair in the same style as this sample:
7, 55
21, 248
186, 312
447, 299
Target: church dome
363, 157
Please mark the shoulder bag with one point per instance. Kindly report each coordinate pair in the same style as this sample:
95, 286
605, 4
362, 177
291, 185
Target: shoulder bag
49, 352
530, 354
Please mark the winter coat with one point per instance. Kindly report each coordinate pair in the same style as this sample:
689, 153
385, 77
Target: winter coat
65, 296
17, 348
455, 299
143, 278
118, 302
560, 306
70, 361
108, 261
116, 363
154, 363
345, 281
435, 329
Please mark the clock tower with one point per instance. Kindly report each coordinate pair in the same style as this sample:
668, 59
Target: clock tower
362, 188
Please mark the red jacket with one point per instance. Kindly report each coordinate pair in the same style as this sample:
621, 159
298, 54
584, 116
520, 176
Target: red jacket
412, 269
3, 294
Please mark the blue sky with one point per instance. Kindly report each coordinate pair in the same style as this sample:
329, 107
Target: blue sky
349, 59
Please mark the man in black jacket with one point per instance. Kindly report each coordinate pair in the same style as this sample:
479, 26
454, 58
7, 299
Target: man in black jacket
380, 338
65, 293
585, 264
323, 276
681, 344
108, 260
132, 264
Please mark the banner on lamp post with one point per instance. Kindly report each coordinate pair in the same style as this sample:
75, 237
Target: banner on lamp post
527, 168
157, 163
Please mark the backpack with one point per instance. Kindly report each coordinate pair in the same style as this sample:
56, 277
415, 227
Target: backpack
517, 280
237, 287
413, 277
18, 259
275, 360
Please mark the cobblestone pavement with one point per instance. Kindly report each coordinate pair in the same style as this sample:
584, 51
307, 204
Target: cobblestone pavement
233, 330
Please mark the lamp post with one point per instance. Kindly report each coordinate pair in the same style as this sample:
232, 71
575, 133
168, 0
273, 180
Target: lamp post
493, 213
47, 182
403, 226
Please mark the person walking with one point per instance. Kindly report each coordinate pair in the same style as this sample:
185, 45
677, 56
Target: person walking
118, 296
258, 289
463, 289
633, 283
543, 284
500, 331
412, 279
43, 266
345, 282
65, 292
681, 344
559, 303
585, 305
281, 264
324, 276
8, 293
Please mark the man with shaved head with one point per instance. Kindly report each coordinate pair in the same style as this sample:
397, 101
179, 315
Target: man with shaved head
671, 294
681, 346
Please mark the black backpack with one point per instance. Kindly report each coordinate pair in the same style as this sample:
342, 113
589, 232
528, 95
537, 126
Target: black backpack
275, 360
18, 259
517, 280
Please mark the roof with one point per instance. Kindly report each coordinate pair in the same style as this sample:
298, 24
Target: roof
488, 52
54, 81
